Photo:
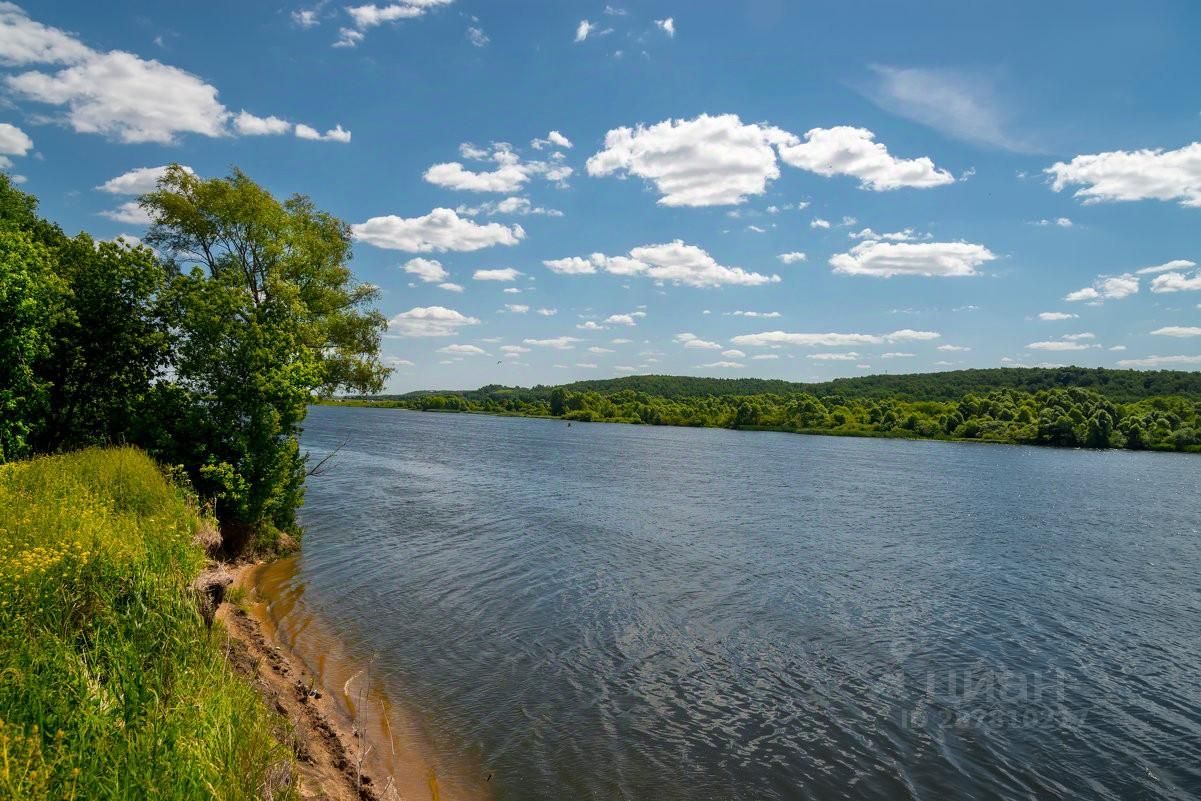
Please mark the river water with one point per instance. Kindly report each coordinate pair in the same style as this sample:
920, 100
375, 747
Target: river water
626, 612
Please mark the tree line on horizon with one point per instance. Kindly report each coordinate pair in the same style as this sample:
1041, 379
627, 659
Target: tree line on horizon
204, 347
1063, 416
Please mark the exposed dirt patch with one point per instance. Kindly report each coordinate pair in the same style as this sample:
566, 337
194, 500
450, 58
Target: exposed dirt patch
326, 746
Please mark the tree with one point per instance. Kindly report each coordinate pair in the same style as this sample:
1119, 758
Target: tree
265, 317
30, 301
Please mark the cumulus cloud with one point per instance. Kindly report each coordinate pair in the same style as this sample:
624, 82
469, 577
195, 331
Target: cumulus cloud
719, 160
693, 341
365, 17
818, 222
553, 139
844, 150
556, 343
129, 212
335, 134
430, 271
954, 348
1176, 282
517, 308
723, 365
1133, 175
706, 161
450, 287
1174, 264
907, 235
248, 124
932, 259
792, 257
1052, 316
500, 274
768, 315
1178, 331
13, 142
510, 173
1108, 288
1058, 345
463, 350
620, 319
137, 181
429, 321
668, 26
832, 340
673, 262
833, 357
114, 94
440, 230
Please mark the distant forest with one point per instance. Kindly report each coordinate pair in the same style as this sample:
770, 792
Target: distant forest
1067, 407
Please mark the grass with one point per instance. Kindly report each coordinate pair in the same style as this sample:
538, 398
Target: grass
110, 685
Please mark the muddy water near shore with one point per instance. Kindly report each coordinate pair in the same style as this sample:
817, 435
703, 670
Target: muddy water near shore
394, 746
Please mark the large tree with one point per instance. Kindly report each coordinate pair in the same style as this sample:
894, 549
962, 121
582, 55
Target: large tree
266, 317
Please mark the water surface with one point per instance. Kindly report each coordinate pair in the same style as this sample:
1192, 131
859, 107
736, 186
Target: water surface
626, 612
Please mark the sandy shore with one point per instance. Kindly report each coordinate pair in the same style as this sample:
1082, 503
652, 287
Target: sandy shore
350, 740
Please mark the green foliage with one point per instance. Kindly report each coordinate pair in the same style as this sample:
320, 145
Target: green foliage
266, 318
112, 688
30, 302
1066, 417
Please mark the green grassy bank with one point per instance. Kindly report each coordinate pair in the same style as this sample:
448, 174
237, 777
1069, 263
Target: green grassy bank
111, 685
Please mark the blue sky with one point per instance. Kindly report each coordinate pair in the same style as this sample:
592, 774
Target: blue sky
969, 185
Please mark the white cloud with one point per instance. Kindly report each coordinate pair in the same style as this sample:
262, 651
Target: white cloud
673, 262
668, 26
1078, 337
906, 235
248, 124
1112, 288
557, 343
548, 312
706, 161
24, 41
935, 259
1174, 264
833, 357
440, 230
620, 319
792, 257
1176, 282
130, 213
477, 36
1053, 316
429, 321
463, 350
1159, 361
953, 348
592, 325
335, 134
695, 342
1058, 345
723, 365
517, 308
768, 315
513, 349
512, 290
896, 355
365, 17
956, 103
509, 175
818, 222
138, 181
510, 205
832, 340
1178, 331
1133, 175
598, 349
450, 287
13, 142
1062, 222
553, 139
583, 29
500, 274
844, 150
115, 94
765, 357
307, 17
430, 271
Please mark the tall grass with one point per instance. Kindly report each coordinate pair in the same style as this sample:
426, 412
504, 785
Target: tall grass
110, 685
